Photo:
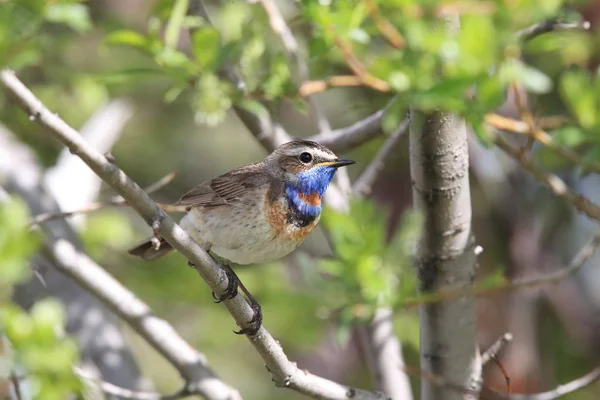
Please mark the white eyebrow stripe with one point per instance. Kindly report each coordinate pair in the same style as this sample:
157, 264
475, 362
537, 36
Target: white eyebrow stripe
323, 154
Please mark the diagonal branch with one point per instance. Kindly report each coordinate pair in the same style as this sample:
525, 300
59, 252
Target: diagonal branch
158, 333
350, 137
364, 183
552, 25
559, 391
556, 185
285, 373
495, 348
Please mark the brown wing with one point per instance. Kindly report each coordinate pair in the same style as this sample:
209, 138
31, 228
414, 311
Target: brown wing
227, 189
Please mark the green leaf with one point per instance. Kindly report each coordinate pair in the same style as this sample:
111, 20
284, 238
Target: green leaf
205, 46
531, 78
17, 242
172, 58
74, 15
175, 23
491, 93
577, 90
129, 38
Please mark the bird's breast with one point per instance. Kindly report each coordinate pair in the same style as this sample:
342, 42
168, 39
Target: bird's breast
288, 223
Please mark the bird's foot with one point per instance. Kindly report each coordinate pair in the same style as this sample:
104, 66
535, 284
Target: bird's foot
232, 287
254, 323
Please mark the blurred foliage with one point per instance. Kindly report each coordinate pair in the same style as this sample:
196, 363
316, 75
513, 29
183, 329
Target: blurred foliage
368, 271
36, 349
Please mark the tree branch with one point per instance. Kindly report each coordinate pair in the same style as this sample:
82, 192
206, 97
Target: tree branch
556, 185
122, 393
384, 353
70, 181
285, 373
271, 134
363, 185
559, 391
158, 333
552, 25
495, 348
350, 137
103, 348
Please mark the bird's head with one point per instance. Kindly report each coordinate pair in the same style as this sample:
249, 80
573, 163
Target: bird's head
307, 168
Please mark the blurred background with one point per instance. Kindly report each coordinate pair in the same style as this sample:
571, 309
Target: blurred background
85, 64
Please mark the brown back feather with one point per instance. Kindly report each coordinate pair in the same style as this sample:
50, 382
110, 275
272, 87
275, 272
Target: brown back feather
227, 189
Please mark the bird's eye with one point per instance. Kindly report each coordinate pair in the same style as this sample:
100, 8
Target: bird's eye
305, 157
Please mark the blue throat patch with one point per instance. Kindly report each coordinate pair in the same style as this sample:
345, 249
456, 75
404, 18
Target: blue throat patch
310, 182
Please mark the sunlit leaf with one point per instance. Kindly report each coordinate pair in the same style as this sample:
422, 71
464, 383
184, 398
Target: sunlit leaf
175, 23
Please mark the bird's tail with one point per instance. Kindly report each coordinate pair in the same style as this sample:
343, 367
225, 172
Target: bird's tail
147, 251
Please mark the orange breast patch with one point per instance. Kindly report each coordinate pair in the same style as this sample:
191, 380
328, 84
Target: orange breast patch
313, 199
276, 215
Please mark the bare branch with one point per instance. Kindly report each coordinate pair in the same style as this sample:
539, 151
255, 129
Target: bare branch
516, 126
285, 373
103, 347
350, 137
117, 201
582, 256
122, 393
311, 87
559, 391
70, 182
158, 333
384, 354
363, 185
495, 348
387, 29
540, 28
556, 185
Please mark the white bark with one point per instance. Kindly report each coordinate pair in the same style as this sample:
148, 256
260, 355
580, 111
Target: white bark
445, 257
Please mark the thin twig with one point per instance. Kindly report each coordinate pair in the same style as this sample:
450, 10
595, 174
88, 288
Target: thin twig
359, 69
524, 113
285, 373
309, 88
350, 137
123, 393
16, 386
388, 30
495, 348
559, 391
556, 185
516, 126
582, 256
117, 201
540, 28
363, 185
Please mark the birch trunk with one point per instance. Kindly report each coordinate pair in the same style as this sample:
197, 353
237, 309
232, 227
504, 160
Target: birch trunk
445, 257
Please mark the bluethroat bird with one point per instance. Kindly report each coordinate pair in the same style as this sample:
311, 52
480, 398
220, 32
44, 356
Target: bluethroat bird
256, 213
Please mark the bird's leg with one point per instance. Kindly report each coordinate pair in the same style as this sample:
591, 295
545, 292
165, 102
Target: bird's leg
257, 317
233, 282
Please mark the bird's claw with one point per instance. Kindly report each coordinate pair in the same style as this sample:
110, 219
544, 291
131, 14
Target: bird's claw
231, 291
254, 323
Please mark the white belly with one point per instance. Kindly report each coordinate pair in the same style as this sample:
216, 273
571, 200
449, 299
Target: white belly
242, 236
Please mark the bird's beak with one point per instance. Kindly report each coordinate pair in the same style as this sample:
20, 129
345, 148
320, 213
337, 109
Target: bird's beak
336, 163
